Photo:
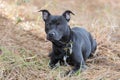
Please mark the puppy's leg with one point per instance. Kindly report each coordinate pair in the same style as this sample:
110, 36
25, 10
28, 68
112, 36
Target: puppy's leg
77, 67
79, 63
62, 62
74, 70
53, 61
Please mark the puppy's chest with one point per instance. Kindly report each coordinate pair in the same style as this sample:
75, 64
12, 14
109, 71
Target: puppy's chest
65, 52
66, 55
67, 60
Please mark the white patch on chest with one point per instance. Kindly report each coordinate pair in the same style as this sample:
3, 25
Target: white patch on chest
65, 60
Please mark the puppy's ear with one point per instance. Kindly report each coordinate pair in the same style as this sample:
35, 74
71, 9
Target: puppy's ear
67, 13
45, 14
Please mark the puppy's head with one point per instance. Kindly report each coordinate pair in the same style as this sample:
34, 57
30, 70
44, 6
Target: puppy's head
56, 25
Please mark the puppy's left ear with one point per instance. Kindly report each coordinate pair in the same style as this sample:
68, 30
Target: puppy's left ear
67, 13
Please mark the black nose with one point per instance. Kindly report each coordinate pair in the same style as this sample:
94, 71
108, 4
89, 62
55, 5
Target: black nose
51, 34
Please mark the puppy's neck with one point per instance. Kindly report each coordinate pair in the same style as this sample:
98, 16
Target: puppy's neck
67, 36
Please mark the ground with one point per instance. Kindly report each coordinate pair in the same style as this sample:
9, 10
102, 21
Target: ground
24, 49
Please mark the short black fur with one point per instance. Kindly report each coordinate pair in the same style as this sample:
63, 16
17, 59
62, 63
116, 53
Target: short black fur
60, 34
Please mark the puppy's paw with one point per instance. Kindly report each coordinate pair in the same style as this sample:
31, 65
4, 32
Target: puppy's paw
61, 63
69, 73
83, 68
51, 66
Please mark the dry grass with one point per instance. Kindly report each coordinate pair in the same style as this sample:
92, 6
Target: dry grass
24, 49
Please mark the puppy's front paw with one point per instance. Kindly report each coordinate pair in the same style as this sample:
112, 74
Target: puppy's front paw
69, 73
51, 65
83, 68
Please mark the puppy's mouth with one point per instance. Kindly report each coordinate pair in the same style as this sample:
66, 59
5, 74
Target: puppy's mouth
56, 42
52, 39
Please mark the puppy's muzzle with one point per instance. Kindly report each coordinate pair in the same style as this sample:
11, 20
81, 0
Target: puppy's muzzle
51, 36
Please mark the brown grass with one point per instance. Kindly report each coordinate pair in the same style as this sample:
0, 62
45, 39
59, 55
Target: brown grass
24, 48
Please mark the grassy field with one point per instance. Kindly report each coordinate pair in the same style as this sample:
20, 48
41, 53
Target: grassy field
24, 48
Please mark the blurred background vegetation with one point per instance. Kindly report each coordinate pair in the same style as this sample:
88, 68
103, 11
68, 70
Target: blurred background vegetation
24, 48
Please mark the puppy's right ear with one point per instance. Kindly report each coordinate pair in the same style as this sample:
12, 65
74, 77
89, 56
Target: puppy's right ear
45, 14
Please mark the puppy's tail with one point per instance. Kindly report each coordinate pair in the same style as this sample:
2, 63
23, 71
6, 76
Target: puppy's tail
93, 45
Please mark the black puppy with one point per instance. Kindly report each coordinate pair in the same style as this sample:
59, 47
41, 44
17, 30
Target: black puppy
69, 46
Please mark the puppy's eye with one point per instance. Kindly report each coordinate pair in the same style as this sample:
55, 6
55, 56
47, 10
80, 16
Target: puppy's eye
50, 23
47, 24
58, 23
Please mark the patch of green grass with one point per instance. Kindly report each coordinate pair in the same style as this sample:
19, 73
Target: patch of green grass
18, 20
26, 1
12, 62
19, 2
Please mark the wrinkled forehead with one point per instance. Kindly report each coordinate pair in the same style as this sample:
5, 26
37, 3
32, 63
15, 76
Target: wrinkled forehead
56, 18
